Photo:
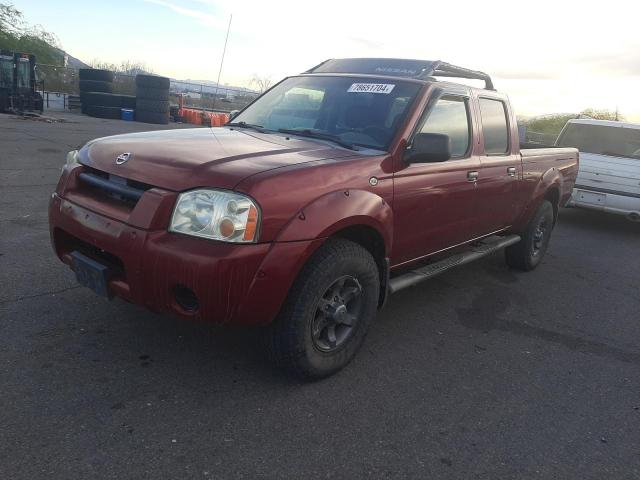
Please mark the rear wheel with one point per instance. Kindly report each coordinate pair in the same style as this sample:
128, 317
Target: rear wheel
528, 253
327, 313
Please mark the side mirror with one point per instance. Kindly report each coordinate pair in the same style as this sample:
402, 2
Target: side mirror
429, 147
233, 114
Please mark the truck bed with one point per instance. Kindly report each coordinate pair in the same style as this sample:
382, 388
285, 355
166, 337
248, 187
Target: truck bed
537, 161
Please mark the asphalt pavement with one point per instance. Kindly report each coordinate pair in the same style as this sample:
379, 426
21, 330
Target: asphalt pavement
482, 372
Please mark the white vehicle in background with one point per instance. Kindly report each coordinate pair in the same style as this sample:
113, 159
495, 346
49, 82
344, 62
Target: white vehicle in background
609, 172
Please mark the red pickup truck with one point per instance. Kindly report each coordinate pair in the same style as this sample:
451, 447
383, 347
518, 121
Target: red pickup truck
332, 190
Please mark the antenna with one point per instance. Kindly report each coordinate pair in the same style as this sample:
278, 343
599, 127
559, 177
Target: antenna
224, 50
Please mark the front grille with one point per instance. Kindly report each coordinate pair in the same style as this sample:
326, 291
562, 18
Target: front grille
123, 190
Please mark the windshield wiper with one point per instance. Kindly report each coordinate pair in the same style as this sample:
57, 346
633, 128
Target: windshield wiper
306, 132
259, 128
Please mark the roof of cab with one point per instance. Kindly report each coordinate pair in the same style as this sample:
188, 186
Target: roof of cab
396, 67
607, 123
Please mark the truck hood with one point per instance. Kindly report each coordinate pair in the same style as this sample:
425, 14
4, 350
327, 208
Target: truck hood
201, 157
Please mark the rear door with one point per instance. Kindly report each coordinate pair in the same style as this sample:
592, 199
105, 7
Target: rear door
500, 166
434, 203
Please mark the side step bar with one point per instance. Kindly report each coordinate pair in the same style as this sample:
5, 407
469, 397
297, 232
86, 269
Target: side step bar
479, 249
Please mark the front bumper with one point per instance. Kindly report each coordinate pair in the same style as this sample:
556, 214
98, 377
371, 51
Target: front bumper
244, 284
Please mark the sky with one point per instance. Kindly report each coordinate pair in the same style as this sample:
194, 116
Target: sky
549, 56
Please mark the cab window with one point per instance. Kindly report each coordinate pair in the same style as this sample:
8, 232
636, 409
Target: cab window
494, 126
6, 72
450, 116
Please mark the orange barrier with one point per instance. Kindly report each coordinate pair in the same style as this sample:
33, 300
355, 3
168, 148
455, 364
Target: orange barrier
195, 117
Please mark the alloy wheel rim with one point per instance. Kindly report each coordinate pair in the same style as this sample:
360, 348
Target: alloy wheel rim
337, 314
539, 237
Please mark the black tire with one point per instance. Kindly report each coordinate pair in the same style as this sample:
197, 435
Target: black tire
152, 81
152, 117
152, 93
128, 101
103, 99
96, 74
159, 106
528, 252
99, 111
96, 86
299, 340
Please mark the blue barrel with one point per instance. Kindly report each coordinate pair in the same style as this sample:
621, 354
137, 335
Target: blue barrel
126, 114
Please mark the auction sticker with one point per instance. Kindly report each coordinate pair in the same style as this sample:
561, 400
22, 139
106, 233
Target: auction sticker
385, 88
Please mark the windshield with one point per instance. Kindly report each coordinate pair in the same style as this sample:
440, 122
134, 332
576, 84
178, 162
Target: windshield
6, 72
357, 111
602, 139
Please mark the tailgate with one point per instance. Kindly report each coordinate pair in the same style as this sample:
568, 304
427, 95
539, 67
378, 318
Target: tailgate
616, 174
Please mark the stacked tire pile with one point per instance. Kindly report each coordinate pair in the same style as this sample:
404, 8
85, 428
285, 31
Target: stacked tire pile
93, 80
97, 97
152, 99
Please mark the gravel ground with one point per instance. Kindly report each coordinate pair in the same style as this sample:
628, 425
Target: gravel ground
480, 373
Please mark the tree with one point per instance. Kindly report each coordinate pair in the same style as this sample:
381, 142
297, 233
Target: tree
128, 67
549, 124
261, 83
11, 20
17, 35
553, 124
601, 114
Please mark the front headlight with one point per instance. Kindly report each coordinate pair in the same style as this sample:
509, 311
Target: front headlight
216, 214
72, 158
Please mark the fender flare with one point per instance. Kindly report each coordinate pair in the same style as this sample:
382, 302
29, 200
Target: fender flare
337, 210
550, 180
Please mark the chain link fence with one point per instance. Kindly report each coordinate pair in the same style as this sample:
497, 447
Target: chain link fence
60, 82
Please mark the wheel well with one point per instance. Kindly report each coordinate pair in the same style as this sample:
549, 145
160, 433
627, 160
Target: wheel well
370, 239
553, 195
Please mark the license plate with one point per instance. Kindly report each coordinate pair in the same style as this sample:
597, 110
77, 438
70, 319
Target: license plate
592, 198
91, 274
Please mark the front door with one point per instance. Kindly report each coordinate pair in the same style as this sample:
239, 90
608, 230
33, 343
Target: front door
434, 203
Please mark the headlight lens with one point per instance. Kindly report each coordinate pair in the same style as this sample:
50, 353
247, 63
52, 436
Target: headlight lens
216, 214
72, 158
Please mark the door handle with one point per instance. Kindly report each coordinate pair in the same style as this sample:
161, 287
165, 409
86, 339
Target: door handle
472, 176
511, 171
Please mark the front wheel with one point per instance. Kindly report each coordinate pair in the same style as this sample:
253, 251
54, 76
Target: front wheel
328, 311
528, 252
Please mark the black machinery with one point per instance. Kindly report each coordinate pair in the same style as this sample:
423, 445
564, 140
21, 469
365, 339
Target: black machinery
18, 92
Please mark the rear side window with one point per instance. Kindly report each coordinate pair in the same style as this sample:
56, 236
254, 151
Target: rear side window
494, 126
449, 116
